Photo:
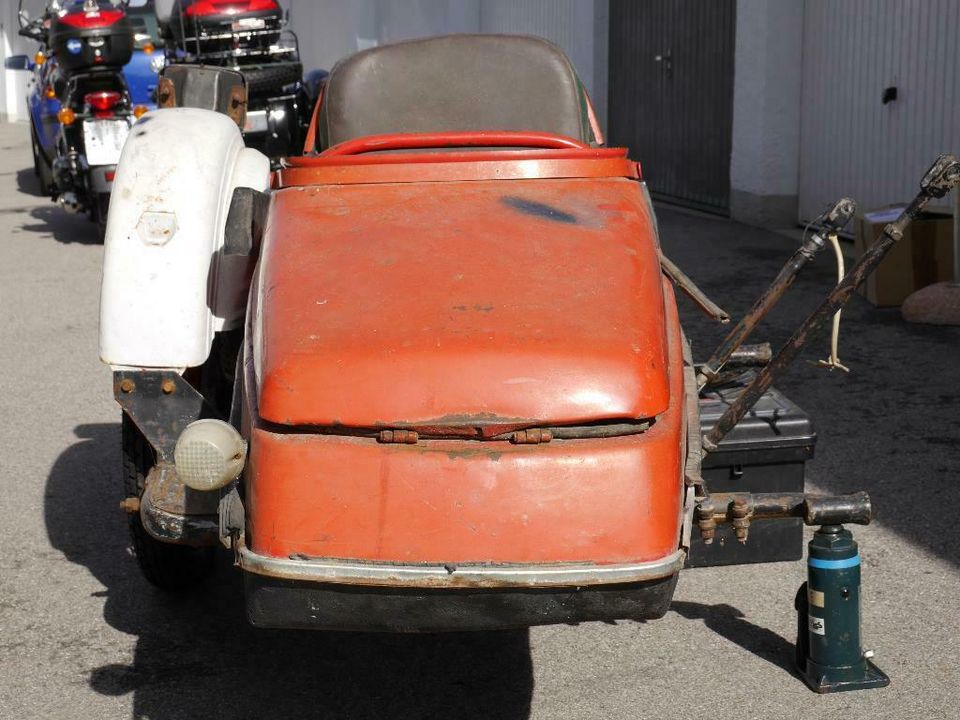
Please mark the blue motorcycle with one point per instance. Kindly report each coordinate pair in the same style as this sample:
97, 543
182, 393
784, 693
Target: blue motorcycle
84, 100
143, 71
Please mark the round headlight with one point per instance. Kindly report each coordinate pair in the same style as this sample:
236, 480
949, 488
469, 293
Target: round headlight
209, 455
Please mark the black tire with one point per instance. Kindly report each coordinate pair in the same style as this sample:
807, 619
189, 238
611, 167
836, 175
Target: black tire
41, 166
272, 78
98, 211
169, 567
36, 152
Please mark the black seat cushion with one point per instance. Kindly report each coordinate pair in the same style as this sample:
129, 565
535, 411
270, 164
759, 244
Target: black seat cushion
454, 83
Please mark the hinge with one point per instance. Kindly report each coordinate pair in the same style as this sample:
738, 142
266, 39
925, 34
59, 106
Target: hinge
406, 437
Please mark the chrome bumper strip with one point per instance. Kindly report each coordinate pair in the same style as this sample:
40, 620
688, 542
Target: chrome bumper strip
353, 572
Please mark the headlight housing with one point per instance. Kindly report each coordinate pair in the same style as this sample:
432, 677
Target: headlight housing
209, 455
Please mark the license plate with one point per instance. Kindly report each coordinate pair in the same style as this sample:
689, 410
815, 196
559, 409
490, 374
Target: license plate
104, 140
256, 122
249, 24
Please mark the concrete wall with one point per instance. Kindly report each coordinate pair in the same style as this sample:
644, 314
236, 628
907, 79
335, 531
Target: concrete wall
809, 123
331, 29
13, 84
764, 163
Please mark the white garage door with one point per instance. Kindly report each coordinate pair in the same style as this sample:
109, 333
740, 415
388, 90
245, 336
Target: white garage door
852, 143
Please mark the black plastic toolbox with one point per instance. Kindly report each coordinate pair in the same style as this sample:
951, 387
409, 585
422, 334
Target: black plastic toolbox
765, 452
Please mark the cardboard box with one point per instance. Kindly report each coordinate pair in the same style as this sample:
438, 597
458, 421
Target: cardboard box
924, 256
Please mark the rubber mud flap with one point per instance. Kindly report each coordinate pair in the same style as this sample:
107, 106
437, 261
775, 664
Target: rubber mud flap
302, 605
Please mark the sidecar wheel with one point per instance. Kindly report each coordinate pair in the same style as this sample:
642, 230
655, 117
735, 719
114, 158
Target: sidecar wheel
169, 567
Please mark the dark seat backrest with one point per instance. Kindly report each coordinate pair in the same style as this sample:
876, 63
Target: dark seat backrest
454, 83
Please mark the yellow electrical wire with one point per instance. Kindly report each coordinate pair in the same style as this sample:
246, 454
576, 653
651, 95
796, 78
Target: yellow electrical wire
834, 360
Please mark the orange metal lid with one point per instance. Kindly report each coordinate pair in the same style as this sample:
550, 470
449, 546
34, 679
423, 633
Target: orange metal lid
474, 301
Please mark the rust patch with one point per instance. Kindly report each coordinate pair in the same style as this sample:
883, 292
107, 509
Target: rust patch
469, 453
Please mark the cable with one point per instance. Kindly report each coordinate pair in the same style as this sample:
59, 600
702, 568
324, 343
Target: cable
834, 360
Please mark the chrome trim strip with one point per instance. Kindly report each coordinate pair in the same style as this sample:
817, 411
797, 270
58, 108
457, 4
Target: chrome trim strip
352, 572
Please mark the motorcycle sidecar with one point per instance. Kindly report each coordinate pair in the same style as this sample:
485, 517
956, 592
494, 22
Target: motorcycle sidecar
460, 398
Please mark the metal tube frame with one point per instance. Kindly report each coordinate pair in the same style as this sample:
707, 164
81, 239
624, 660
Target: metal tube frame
942, 176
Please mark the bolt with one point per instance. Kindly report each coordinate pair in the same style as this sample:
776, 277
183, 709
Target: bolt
130, 505
126, 385
708, 530
741, 528
168, 386
706, 523
740, 510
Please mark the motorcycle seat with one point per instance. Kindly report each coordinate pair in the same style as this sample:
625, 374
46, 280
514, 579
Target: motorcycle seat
454, 83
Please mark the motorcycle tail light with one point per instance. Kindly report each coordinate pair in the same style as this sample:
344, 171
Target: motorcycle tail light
103, 102
66, 116
99, 18
228, 7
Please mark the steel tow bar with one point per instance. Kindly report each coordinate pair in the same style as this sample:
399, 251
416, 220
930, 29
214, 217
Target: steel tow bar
831, 221
942, 176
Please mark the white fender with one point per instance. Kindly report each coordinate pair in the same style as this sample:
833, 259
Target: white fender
165, 291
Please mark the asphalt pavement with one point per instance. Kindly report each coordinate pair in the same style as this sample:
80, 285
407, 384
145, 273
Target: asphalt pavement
83, 636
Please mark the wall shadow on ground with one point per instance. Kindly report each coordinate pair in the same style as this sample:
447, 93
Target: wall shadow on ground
196, 656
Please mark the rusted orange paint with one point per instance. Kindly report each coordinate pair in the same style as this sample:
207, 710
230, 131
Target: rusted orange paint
448, 501
397, 304
434, 292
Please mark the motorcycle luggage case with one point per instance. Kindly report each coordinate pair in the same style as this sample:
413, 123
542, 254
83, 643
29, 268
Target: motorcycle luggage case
765, 452
84, 41
220, 25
